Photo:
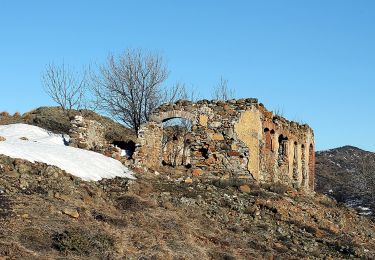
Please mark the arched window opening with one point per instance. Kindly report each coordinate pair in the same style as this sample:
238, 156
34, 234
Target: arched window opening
295, 162
268, 139
303, 162
272, 132
283, 149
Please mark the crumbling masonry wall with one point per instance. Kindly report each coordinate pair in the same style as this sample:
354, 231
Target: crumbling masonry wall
90, 135
239, 138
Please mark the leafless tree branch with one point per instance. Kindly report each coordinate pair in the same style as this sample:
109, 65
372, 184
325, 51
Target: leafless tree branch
65, 87
222, 91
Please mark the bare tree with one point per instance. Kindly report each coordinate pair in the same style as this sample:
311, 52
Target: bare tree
65, 86
129, 87
222, 91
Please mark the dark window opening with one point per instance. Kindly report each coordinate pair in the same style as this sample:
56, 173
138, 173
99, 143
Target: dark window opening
204, 152
295, 162
303, 161
268, 139
283, 149
128, 147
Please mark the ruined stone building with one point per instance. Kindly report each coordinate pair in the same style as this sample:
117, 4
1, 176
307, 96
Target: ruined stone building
237, 138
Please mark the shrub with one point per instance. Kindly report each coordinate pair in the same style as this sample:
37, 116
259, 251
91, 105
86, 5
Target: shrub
35, 239
132, 203
81, 242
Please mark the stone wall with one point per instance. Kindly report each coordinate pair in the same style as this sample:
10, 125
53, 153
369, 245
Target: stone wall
90, 135
239, 138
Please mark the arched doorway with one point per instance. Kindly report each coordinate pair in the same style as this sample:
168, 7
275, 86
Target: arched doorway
175, 143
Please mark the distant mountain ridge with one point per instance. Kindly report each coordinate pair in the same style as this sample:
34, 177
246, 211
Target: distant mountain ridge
347, 174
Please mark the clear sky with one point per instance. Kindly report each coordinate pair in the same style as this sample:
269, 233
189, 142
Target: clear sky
314, 60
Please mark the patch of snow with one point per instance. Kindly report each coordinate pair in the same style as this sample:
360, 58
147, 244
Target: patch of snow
363, 208
353, 203
36, 134
126, 152
43, 146
357, 204
365, 213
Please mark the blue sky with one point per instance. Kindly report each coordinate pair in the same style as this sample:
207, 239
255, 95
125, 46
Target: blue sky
314, 60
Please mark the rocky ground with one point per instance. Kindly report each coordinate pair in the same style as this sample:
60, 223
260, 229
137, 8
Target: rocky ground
46, 213
347, 174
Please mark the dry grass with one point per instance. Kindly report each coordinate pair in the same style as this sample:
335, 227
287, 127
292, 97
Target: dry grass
157, 218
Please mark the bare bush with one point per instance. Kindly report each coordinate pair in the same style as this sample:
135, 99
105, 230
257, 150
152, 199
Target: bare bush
65, 86
222, 91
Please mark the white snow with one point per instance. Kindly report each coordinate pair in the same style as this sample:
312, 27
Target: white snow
49, 148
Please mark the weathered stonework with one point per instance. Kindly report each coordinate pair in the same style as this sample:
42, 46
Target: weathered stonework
86, 134
90, 135
236, 138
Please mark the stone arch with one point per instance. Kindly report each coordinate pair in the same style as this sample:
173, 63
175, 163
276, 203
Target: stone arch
176, 138
153, 147
165, 116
